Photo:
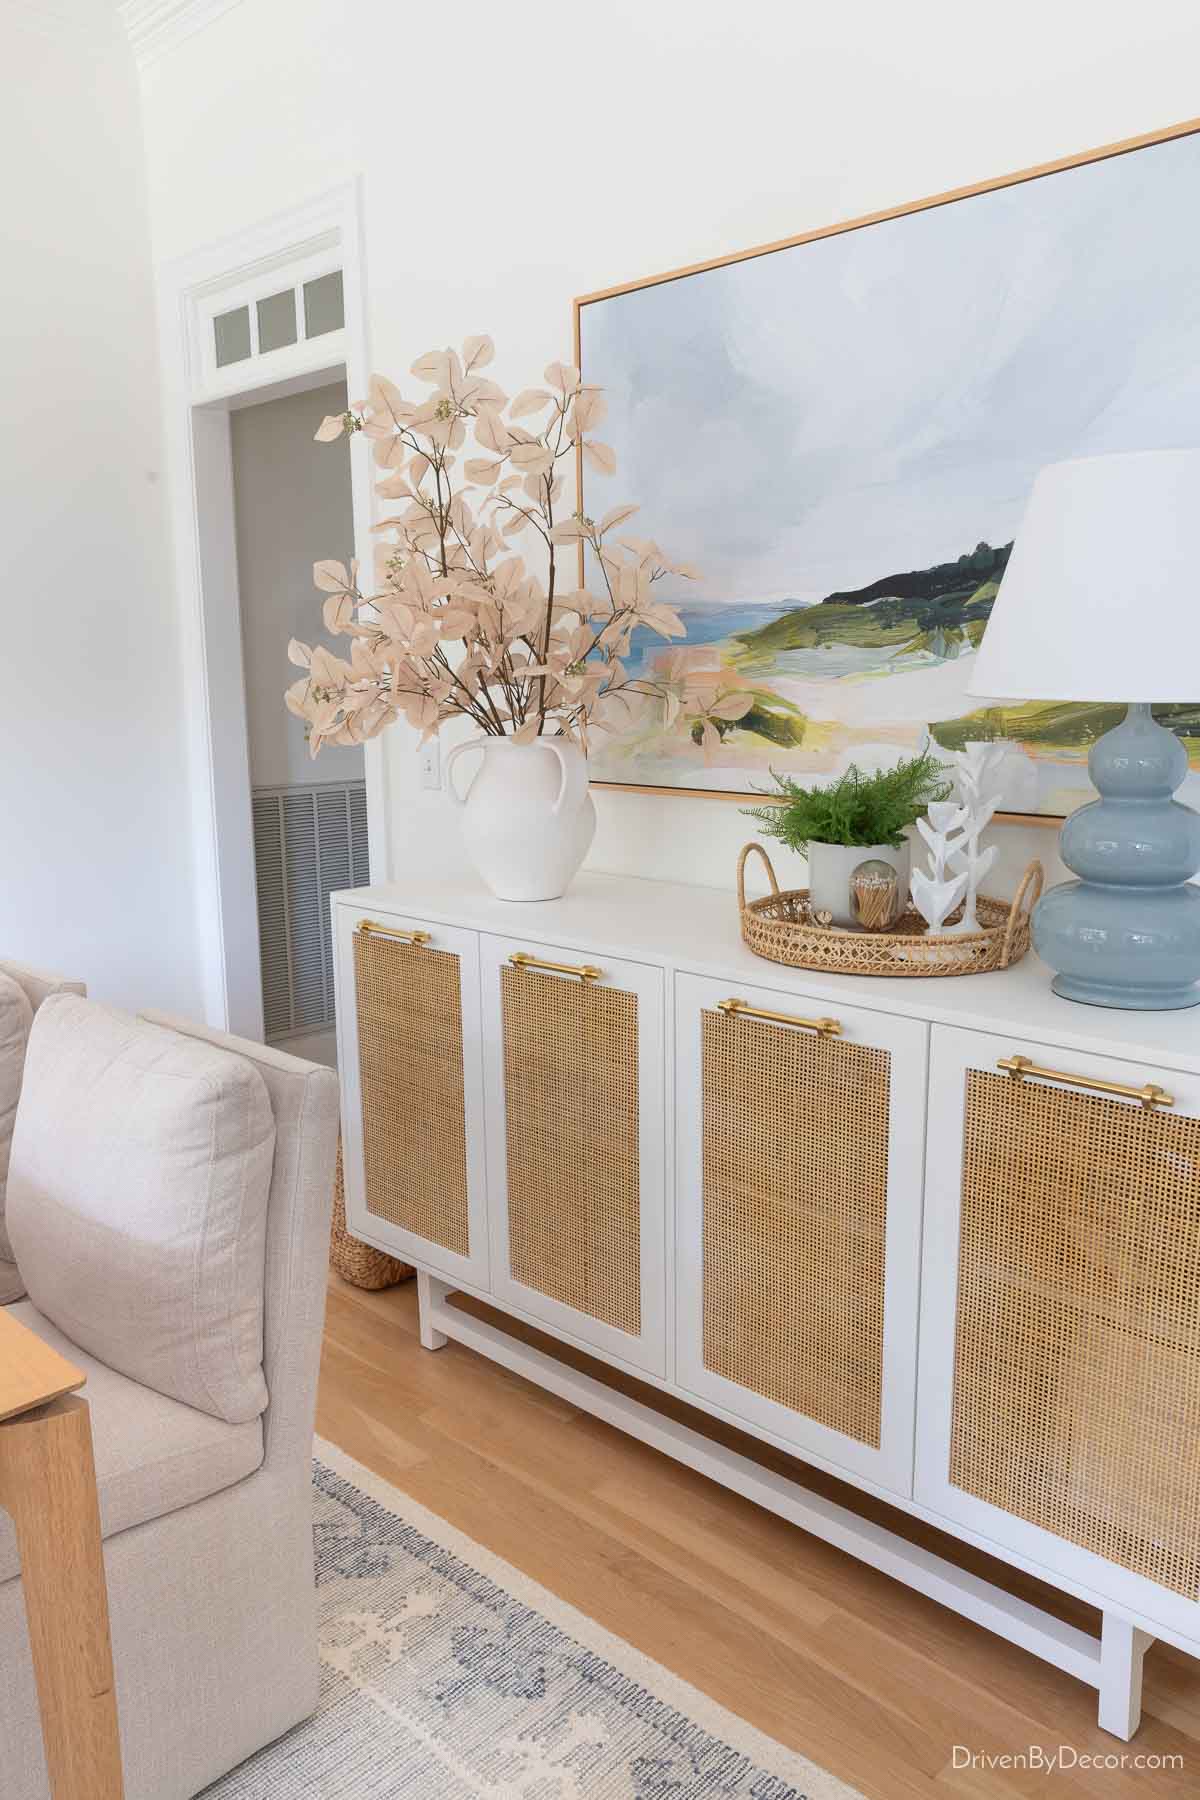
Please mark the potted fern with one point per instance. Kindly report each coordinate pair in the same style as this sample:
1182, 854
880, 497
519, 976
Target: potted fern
853, 819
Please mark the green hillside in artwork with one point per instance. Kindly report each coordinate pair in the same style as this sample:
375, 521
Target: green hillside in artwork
937, 612
920, 609
1060, 725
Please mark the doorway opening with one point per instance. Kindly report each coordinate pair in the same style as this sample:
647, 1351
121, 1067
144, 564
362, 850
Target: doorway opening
262, 334
293, 506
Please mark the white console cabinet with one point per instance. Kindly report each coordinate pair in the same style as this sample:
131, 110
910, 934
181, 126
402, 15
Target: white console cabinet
940, 1238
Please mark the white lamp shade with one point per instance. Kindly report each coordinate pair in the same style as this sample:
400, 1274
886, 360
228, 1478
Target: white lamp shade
1101, 596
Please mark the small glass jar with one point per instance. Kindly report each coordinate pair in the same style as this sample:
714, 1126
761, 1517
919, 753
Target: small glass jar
875, 898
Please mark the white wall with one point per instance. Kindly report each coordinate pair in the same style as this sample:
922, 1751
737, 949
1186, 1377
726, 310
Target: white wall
93, 790
579, 146
292, 505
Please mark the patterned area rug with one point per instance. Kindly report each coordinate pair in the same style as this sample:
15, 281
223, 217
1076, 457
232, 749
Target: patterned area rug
449, 1675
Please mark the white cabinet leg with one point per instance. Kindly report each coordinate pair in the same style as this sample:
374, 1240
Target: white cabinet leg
429, 1291
1122, 1647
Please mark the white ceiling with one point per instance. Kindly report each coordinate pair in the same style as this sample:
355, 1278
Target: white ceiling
151, 26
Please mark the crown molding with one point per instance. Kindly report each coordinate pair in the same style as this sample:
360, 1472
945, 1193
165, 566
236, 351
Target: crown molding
86, 26
155, 26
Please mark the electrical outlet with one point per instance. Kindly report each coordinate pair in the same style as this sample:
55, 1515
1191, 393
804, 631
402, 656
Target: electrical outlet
429, 762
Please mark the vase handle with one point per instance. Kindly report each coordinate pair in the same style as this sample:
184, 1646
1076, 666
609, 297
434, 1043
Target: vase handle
574, 775
472, 744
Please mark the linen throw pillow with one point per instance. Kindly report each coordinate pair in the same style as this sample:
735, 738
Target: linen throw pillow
16, 1016
137, 1201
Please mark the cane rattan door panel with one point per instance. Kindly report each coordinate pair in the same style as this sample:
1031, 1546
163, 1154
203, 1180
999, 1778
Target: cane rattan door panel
1076, 1401
576, 1131
799, 1157
795, 1161
571, 1119
412, 1091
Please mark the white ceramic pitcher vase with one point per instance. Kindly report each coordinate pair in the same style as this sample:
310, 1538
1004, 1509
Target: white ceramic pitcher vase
528, 819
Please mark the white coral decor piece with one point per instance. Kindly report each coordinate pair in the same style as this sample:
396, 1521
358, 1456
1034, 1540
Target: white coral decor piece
944, 818
951, 834
935, 900
936, 894
976, 770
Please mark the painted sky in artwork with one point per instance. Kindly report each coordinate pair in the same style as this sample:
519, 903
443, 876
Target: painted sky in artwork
882, 400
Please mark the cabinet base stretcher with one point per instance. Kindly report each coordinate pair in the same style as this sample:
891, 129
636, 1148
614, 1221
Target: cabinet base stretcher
1111, 1663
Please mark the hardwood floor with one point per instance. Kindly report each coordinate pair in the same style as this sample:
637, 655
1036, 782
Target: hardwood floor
864, 1676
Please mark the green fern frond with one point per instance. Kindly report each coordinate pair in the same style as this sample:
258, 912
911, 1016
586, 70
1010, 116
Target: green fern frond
856, 808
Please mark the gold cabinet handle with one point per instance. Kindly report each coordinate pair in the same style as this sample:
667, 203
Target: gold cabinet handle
1150, 1096
521, 959
734, 1009
406, 937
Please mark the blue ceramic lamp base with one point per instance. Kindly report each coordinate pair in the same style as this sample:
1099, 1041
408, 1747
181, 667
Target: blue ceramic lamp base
1127, 933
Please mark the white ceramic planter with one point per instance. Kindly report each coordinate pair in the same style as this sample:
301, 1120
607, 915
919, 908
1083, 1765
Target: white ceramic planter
528, 819
830, 867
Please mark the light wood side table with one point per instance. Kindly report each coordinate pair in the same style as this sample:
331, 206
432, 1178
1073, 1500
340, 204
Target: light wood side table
48, 1485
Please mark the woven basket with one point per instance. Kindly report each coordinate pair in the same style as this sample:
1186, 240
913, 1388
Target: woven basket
358, 1263
781, 928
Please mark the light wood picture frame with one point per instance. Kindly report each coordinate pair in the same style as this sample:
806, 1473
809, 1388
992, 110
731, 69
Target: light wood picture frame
1099, 267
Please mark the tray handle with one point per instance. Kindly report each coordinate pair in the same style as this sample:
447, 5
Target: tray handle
741, 875
1024, 901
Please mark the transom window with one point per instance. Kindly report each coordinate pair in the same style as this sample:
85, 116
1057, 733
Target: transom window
310, 309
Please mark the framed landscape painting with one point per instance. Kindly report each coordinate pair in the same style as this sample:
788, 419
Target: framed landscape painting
841, 433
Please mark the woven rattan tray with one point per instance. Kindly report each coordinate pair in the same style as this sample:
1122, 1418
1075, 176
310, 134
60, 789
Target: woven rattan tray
781, 928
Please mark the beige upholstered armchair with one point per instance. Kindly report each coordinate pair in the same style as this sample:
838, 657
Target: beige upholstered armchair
22, 991
204, 1482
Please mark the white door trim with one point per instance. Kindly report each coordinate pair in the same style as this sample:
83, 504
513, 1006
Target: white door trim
197, 398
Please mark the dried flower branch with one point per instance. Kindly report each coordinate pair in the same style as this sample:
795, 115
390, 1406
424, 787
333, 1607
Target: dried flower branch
458, 626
